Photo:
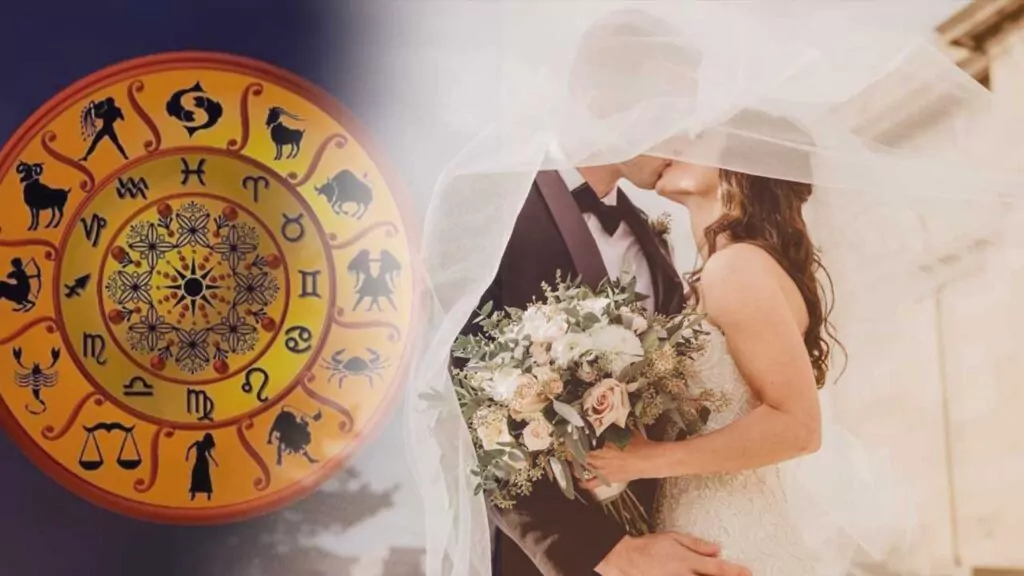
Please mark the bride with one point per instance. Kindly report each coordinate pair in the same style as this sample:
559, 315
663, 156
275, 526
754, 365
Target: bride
768, 354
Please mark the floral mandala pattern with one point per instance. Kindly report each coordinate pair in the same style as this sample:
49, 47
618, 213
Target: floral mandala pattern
193, 289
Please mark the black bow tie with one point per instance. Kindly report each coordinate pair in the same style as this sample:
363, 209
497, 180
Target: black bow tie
609, 216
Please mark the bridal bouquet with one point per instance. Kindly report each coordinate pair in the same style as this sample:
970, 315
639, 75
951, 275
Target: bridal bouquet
541, 387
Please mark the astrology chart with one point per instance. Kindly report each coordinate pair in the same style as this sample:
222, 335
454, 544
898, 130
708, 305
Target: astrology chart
205, 288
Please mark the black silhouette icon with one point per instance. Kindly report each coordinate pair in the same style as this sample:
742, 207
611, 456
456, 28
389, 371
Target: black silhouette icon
375, 286
346, 188
38, 196
37, 378
341, 368
180, 110
92, 461
202, 482
74, 289
105, 113
20, 291
282, 134
291, 430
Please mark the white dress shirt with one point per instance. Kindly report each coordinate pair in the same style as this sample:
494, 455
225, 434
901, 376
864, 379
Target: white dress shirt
621, 251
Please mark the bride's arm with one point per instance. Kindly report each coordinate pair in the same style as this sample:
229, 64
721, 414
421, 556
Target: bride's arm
742, 297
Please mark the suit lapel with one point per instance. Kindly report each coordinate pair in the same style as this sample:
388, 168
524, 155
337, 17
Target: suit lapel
668, 294
586, 256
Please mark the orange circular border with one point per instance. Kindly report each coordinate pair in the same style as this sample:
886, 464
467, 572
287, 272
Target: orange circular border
326, 102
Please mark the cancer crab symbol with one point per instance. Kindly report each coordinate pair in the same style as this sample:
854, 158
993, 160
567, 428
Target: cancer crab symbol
342, 368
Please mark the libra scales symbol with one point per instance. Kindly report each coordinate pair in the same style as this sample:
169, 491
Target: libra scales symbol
93, 461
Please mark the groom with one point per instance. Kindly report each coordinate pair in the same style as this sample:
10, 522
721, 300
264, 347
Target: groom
580, 223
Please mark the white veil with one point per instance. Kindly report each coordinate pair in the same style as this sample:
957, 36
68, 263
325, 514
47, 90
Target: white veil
587, 83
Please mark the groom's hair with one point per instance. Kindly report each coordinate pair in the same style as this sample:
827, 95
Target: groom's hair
629, 56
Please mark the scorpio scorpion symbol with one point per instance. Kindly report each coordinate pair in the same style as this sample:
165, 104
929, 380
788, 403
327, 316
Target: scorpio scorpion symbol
37, 378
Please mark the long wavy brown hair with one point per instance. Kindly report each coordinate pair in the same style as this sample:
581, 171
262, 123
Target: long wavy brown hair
767, 212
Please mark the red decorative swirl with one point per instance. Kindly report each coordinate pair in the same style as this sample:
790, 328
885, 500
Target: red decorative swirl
339, 140
347, 423
392, 231
51, 329
50, 254
143, 485
48, 138
136, 87
50, 433
394, 333
263, 482
253, 89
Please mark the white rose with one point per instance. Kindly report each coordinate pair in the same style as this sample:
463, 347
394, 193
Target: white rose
537, 435
494, 432
606, 403
617, 339
502, 384
528, 399
633, 321
619, 344
549, 380
540, 327
570, 347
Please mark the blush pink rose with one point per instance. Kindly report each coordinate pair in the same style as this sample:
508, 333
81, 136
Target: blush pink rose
606, 403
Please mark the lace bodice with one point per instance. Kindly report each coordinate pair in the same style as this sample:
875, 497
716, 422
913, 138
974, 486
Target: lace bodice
746, 513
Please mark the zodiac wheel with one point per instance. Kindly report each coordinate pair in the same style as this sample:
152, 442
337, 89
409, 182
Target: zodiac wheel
208, 292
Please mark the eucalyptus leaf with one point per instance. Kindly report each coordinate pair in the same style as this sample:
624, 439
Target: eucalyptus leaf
563, 476
631, 372
576, 448
568, 412
516, 456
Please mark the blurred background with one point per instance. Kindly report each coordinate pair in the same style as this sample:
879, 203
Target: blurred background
367, 521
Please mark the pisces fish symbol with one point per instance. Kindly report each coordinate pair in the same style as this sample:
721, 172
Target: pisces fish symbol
183, 111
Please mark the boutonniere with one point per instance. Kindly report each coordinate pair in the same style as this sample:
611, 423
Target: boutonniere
662, 226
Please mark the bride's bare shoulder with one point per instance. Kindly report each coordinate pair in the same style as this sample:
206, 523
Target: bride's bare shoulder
737, 277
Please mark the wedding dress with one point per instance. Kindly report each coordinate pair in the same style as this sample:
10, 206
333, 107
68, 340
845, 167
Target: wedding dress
746, 512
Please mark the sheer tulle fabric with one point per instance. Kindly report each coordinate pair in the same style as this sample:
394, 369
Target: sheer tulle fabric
790, 91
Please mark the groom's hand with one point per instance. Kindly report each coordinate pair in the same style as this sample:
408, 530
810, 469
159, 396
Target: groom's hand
667, 554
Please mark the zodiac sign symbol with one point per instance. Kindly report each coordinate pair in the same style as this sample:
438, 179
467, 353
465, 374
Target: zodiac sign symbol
74, 289
282, 134
346, 188
20, 291
94, 228
37, 196
132, 188
127, 461
298, 339
293, 222
144, 387
375, 286
253, 184
341, 368
176, 108
199, 402
106, 113
202, 482
93, 346
248, 387
291, 430
37, 378
187, 171
310, 284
